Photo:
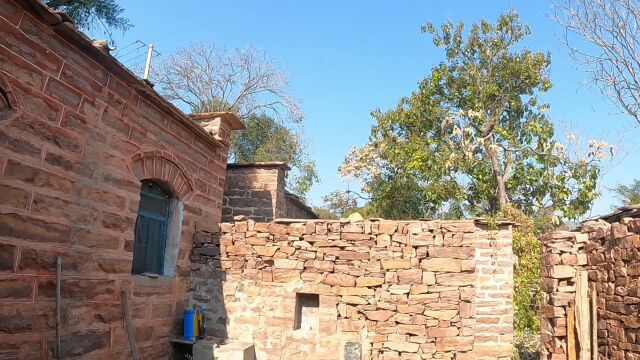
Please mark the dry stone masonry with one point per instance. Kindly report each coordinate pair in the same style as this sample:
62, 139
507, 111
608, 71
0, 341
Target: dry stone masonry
608, 250
374, 289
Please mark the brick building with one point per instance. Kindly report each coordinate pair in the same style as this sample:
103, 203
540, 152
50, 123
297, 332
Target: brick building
96, 168
258, 192
87, 150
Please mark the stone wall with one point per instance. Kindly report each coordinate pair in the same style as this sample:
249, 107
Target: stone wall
297, 209
257, 191
609, 252
387, 289
79, 135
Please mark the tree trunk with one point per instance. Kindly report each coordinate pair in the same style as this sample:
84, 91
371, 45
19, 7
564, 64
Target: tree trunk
501, 188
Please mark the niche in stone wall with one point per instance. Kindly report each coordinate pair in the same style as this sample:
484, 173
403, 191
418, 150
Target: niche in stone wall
307, 312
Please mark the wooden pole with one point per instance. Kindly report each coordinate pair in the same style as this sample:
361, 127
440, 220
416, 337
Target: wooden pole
58, 305
129, 325
571, 337
583, 316
594, 323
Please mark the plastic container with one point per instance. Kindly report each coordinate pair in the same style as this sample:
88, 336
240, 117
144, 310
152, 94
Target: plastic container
188, 324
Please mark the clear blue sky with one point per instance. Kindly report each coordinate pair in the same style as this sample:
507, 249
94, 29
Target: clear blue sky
346, 58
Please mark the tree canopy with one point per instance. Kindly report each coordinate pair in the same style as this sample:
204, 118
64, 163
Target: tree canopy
602, 38
628, 194
209, 78
265, 139
93, 14
474, 136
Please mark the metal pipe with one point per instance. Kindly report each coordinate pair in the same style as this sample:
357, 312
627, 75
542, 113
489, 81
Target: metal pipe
147, 66
58, 301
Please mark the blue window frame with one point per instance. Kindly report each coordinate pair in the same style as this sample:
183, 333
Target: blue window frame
151, 229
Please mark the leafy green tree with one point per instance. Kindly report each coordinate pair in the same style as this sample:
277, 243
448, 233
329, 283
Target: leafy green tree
629, 194
474, 140
92, 14
265, 139
474, 137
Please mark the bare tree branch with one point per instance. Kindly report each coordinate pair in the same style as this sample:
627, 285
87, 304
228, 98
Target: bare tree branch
245, 81
603, 36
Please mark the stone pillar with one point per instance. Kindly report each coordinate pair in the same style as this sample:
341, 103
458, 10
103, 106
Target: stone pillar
256, 191
219, 124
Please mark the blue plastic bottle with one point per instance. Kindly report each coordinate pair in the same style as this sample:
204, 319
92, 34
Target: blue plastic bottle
188, 324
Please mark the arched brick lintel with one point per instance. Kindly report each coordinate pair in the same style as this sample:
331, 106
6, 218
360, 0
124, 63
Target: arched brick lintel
163, 167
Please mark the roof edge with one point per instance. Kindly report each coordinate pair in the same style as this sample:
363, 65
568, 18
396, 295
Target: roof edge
230, 118
264, 164
80, 41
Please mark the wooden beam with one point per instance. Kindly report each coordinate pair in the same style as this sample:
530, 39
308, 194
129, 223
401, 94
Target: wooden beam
571, 337
583, 316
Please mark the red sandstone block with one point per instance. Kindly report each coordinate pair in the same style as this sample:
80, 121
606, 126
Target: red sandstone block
78, 314
78, 289
44, 35
21, 69
30, 50
16, 288
28, 228
116, 123
111, 265
21, 148
117, 222
102, 197
90, 108
83, 342
452, 252
87, 128
54, 136
63, 93
69, 164
7, 257
79, 214
11, 12
25, 318
43, 261
13, 197
119, 88
22, 346
95, 239
82, 82
35, 102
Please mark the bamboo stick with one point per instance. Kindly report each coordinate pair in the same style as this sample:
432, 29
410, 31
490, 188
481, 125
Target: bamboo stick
583, 317
129, 325
58, 305
571, 337
594, 323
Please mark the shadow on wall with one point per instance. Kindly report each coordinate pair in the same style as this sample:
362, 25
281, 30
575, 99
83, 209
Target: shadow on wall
207, 284
257, 205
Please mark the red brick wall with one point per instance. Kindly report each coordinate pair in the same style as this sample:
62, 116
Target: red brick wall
72, 153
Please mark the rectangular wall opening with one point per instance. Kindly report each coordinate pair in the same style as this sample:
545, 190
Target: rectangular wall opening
307, 312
